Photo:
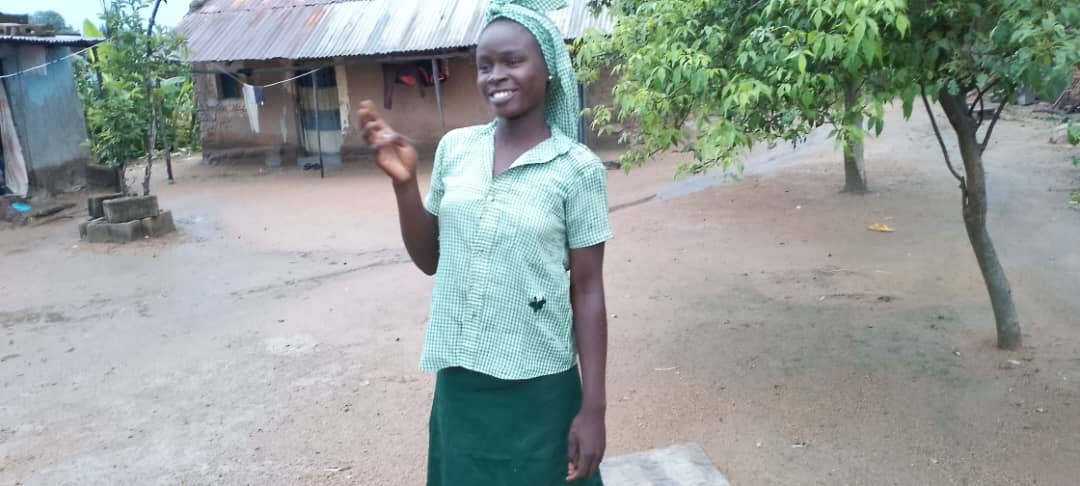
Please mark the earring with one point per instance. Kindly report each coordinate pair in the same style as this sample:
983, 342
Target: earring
550, 77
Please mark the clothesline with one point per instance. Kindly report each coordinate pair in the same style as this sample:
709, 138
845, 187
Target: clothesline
54, 61
81, 51
283, 81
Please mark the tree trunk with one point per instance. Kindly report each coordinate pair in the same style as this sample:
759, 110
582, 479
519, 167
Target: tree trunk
168, 160
854, 173
121, 179
150, 99
151, 142
168, 136
1006, 320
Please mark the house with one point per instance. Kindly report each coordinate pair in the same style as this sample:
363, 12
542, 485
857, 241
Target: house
413, 57
42, 125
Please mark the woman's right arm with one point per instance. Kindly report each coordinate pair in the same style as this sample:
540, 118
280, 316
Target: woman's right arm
419, 228
396, 156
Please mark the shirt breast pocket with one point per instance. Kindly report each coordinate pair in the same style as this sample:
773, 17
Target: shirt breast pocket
461, 189
534, 222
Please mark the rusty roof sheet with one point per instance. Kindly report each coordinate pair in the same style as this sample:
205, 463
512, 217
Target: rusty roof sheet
53, 40
244, 30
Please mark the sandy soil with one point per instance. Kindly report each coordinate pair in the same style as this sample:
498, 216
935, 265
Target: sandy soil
275, 338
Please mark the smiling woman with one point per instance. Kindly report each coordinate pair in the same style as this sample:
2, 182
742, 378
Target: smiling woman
513, 229
509, 62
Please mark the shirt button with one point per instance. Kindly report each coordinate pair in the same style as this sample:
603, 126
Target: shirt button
491, 198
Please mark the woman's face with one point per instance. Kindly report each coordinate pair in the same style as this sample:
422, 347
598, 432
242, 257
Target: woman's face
511, 72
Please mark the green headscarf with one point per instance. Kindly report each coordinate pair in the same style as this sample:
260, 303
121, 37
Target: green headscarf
561, 107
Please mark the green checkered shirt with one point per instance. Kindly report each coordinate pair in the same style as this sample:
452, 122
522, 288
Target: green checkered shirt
501, 303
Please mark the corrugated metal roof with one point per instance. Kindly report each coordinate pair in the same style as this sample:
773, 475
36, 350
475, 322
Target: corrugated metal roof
55, 40
244, 30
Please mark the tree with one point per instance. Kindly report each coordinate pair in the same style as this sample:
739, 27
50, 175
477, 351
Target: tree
772, 71
133, 85
747, 71
53, 19
972, 52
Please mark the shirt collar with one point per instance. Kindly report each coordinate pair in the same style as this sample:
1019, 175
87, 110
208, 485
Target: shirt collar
544, 152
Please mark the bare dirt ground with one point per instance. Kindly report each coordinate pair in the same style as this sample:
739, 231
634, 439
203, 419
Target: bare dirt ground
275, 338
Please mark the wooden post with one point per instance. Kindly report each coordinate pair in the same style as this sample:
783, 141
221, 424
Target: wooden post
318, 129
438, 93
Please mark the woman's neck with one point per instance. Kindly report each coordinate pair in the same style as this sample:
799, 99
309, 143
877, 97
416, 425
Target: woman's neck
530, 128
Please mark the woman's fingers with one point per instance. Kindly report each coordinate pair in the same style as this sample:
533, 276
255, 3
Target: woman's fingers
396, 153
573, 457
367, 112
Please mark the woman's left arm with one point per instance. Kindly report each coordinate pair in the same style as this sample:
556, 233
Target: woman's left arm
587, 434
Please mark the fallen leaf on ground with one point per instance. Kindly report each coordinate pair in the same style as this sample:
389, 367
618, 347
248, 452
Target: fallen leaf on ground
880, 228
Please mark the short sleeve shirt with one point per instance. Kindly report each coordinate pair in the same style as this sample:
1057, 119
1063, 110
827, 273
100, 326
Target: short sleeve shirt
501, 301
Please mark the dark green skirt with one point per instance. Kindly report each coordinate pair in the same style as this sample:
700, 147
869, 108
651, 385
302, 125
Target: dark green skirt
491, 432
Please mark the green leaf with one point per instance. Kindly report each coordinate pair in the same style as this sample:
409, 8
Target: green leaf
802, 63
859, 33
91, 30
1074, 134
871, 51
903, 24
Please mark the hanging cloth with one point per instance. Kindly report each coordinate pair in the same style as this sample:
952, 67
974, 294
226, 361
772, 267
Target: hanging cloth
15, 175
413, 74
253, 98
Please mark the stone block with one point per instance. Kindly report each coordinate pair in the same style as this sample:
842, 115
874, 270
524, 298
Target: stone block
125, 232
85, 226
159, 225
126, 209
94, 204
678, 465
97, 231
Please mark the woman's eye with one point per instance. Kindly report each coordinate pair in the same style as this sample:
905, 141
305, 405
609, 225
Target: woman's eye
514, 62
484, 68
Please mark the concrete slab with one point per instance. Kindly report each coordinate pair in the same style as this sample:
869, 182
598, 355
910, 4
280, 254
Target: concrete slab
678, 465
101, 231
85, 225
97, 231
126, 232
94, 204
160, 224
124, 209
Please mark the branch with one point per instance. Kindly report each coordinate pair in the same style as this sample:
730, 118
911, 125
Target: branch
993, 121
937, 132
982, 116
979, 98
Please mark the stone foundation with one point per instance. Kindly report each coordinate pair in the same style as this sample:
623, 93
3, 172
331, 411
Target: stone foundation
59, 179
117, 219
270, 156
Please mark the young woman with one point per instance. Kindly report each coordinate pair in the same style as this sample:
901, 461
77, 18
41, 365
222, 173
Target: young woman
513, 229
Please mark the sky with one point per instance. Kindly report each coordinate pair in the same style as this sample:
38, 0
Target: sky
75, 11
